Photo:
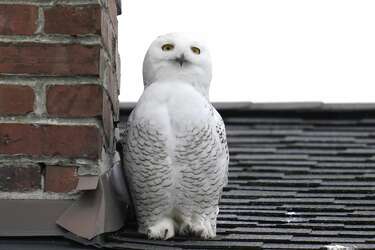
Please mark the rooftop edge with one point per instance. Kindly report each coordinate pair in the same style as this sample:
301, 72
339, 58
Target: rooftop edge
283, 106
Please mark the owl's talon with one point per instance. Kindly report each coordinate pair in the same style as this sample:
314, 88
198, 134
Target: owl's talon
162, 230
185, 229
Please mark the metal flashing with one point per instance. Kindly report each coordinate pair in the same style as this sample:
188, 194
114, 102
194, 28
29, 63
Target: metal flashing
31, 217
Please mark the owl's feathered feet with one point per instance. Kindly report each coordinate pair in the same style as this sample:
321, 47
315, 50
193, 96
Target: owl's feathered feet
167, 227
162, 230
197, 226
203, 229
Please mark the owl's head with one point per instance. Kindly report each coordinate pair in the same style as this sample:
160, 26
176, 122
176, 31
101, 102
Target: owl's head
177, 57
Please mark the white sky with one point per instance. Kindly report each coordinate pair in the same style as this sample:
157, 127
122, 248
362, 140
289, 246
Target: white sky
262, 51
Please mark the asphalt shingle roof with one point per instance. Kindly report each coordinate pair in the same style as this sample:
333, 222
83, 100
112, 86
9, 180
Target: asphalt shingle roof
299, 178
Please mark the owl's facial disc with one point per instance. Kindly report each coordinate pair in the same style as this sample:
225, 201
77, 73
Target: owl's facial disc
176, 57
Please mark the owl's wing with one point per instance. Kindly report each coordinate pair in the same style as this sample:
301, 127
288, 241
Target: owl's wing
147, 170
220, 130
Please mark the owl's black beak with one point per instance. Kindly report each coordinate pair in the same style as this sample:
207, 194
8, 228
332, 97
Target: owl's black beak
181, 59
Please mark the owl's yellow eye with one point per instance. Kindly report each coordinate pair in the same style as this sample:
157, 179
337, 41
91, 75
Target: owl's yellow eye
167, 47
196, 50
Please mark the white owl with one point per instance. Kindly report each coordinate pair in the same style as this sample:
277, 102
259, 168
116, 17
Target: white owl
176, 154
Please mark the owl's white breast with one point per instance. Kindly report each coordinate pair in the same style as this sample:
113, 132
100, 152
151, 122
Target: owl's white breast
172, 106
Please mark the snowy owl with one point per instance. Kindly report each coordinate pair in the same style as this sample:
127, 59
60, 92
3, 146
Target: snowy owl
176, 155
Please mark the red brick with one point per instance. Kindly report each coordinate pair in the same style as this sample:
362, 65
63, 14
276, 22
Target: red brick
50, 140
19, 178
74, 100
16, 100
18, 19
60, 179
73, 20
49, 59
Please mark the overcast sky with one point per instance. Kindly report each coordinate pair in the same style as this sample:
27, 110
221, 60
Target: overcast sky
262, 51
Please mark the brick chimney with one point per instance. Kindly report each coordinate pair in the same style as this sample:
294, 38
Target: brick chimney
59, 87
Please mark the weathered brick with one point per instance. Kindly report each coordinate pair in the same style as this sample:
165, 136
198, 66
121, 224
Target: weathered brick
60, 179
49, 59
117, 74
108, 125
16, 100
19, 178
74, 100
73, 20
112, 7
107, 34
18, 19
50, 140
113, 90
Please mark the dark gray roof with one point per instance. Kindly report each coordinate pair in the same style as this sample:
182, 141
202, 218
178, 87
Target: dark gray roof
301, 176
